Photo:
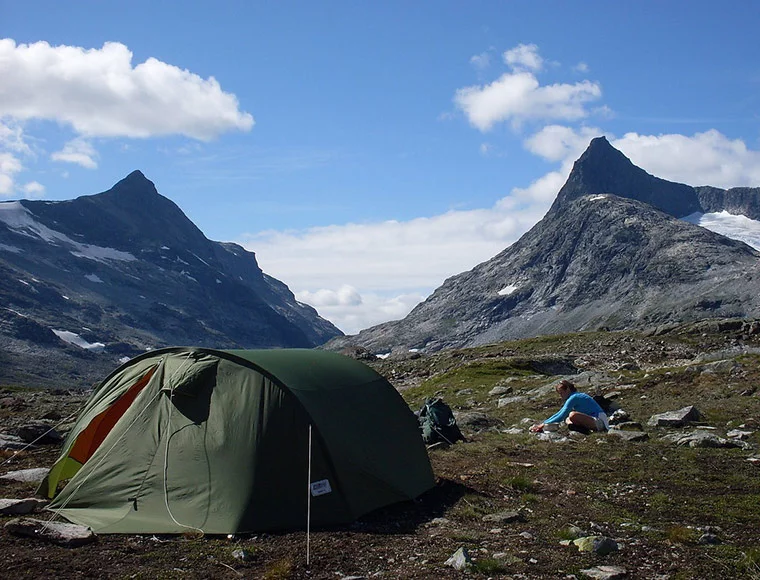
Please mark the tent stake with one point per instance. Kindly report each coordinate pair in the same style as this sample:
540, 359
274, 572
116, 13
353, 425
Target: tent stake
308, 501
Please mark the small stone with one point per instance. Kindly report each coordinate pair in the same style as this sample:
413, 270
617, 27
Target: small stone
526, 535
505, 517
504, 401
619, 416
628, 426
709, 539
598, 544
496, 391
605, 573
460, 560
738, 434
633, 436
242, 555
439, 521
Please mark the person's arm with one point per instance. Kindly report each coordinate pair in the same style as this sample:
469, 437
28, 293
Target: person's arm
564, 412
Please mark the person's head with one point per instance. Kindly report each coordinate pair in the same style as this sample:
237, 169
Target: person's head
564, 389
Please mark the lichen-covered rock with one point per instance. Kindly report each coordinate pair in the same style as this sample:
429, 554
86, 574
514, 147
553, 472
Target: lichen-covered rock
600, 545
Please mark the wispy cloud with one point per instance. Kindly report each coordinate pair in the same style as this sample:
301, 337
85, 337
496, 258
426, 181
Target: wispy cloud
581, 67
481, 61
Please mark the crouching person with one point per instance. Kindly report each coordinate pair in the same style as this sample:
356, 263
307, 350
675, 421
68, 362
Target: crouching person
580, 411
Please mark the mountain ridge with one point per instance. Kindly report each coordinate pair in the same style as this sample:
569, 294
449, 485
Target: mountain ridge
599, 259
127, 269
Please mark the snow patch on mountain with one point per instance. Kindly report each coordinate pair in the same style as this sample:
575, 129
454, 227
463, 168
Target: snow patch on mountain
76, 340
21, 221
736, 227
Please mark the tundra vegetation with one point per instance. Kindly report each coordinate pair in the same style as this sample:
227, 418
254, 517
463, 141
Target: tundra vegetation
513, 500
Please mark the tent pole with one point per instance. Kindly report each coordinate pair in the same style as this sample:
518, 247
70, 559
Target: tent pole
308, 501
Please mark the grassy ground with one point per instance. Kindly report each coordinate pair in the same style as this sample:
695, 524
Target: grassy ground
654, 498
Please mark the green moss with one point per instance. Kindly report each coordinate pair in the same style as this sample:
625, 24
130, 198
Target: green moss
489, 566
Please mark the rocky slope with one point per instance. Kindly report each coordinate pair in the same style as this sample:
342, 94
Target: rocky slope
609, 254
123, 271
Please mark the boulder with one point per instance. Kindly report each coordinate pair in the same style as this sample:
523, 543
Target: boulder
27, 475
498, 391
38, 432
475, 420
63, 534
20, 507
705, 439
674, 418
12, 443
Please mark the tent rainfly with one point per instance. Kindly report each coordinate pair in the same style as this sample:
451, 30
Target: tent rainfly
224, 442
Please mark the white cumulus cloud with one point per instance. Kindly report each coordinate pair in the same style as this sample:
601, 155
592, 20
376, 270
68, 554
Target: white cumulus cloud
517, 97
100, 93
524, 56
33, 189
345, 296
708, 158
379, 271
78, 151
9, 167
358, 275
560, 143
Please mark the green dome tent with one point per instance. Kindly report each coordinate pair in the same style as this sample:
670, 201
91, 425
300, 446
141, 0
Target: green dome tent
224, 442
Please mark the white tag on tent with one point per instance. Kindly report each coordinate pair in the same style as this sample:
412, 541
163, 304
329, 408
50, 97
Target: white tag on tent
321, 487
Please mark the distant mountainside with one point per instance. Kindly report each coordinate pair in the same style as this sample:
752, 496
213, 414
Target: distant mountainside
124, 271
609, 254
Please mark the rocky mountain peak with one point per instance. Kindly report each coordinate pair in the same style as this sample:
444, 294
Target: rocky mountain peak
610, 253
135, 182
604, 169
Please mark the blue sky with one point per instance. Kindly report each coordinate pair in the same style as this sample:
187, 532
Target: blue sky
368, 150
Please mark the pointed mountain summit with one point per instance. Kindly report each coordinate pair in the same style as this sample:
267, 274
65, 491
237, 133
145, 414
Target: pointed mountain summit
609, 254
132, 214
604, 169
88, 281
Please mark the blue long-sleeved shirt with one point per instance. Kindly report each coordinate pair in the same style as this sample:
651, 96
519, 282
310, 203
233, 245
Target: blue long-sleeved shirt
580, 402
